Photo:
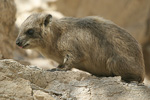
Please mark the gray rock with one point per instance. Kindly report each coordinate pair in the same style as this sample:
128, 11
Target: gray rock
29, 83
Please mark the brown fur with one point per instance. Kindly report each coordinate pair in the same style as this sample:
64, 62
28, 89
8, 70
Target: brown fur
92, 44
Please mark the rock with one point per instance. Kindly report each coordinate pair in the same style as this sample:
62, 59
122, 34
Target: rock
40, 95
14, 89
146, 50
8, 30
7, 27
31, 83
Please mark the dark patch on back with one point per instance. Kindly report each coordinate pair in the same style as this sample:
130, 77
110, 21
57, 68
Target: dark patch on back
91, 25
98, 30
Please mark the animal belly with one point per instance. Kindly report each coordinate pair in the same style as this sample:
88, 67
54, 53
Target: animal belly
99, 70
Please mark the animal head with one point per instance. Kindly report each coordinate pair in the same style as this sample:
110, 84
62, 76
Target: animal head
32, 31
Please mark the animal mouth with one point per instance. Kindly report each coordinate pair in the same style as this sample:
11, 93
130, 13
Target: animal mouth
25, 45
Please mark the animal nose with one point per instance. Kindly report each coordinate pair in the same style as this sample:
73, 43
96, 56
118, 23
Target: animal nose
18, 42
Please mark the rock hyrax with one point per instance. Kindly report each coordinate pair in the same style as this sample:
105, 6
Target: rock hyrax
92, 44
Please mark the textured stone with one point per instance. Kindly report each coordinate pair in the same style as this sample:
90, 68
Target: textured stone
8, 31
40, 95
21, 82
7, 28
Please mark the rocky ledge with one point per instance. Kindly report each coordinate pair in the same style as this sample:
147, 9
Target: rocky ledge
19, 82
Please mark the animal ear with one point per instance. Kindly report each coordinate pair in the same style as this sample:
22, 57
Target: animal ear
47, 19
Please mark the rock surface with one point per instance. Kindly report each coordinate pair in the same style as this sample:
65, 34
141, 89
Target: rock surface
7, 28
19, 82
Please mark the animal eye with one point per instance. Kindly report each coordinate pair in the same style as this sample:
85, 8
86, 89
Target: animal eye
30, 32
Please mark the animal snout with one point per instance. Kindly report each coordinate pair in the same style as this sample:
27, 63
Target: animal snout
18, 42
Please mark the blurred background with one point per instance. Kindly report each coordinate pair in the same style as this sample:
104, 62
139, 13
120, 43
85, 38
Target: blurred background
132, 15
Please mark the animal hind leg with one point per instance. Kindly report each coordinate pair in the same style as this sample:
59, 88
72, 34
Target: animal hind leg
128, 72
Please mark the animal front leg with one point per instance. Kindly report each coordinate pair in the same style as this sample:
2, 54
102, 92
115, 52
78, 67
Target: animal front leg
67, 63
